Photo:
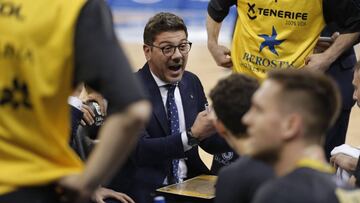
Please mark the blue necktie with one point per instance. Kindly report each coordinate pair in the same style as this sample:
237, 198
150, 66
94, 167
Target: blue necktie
173, 118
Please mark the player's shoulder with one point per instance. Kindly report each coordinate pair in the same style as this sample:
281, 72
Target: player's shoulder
273, 191
247, 168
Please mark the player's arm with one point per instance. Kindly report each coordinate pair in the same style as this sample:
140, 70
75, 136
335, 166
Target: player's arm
323, 60
101, 63
217, 11
346, 14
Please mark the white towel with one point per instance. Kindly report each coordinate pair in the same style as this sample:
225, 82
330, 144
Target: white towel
342, 174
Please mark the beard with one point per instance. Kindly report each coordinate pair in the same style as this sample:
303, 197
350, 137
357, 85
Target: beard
269, 156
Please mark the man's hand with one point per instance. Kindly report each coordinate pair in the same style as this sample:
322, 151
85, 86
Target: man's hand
203, 126
87, 95
93, 96
88, 115
103, 193
221, 54
71, 190
323, 61
344, 161
318, 62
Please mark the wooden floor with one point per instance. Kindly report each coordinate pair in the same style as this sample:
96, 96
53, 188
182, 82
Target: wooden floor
201, 63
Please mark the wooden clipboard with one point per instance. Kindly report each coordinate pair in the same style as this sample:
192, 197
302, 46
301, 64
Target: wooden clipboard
202, 186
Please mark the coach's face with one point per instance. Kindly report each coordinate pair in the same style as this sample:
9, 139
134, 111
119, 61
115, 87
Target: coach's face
264, 122
356, 84
164, 61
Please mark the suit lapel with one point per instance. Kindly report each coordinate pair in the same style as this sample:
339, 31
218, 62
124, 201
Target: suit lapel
155, 98
187, 98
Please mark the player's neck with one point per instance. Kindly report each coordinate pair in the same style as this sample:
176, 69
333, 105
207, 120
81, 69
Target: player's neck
292, 153
314, 152
240, 145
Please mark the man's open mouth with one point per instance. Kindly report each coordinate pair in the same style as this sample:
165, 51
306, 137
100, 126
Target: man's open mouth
175, 67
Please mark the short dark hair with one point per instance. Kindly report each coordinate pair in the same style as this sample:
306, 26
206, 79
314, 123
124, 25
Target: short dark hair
313, 94
231, 99
162, 22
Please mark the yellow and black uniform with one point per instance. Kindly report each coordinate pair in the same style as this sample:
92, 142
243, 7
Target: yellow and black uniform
310, 182
47, 47
278, 34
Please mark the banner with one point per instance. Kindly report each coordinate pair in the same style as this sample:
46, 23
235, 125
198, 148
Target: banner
130, 17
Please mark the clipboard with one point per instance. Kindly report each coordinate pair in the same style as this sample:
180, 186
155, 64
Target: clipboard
202, 186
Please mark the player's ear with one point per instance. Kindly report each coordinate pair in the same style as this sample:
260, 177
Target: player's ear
292, 126
147, 51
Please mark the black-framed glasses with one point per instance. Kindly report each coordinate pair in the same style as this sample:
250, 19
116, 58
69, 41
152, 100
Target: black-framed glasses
169, 50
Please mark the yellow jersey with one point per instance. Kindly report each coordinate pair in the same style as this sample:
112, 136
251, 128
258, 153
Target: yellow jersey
276, 34
36, 65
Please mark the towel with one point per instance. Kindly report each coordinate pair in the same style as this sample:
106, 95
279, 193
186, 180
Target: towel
342, 174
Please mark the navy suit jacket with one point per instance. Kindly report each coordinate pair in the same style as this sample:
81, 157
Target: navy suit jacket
151, 160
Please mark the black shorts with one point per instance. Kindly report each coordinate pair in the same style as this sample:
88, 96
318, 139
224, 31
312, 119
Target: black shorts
38, 194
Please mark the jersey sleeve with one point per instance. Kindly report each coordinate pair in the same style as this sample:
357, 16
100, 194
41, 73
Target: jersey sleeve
219, 9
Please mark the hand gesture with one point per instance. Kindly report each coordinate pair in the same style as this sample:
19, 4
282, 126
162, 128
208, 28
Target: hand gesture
71, 190
203, 126
103, 193
221, 54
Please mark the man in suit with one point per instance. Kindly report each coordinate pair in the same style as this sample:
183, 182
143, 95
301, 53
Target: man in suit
167, 150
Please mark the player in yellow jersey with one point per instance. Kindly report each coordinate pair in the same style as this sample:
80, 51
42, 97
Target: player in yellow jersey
46, 48
279, 34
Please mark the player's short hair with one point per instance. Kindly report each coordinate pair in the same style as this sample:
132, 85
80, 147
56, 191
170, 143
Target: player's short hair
312, 94
231, 99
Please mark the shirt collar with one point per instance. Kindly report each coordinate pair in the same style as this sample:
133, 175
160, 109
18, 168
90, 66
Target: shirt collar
158, 81
315, 164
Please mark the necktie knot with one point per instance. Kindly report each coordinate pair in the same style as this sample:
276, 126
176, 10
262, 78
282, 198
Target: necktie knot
170, 88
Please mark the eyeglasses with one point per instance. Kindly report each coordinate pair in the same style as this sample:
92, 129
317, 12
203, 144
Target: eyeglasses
169, 50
